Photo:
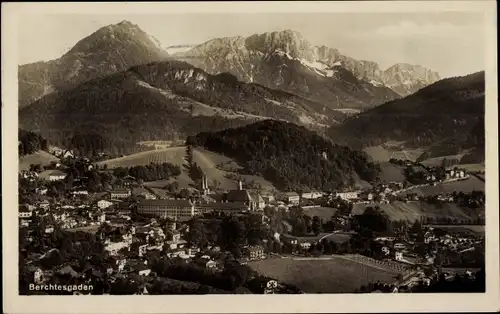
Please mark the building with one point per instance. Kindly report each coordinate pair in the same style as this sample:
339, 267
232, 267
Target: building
102, 204
205, 190
176, 209
56, 175
24, 212
347, 196
398, 256
290, 198
252, 199
255, 252
227, 208
120, 193
311, 195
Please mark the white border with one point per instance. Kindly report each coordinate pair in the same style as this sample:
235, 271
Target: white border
238, 303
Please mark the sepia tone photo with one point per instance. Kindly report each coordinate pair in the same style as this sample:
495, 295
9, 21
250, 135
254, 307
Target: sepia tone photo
244, 153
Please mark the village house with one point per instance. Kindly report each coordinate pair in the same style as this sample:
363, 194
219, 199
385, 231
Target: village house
311, 195
255, 252
398, 256
292, 198
175, 209
120, 193
25, 211
347, 196
55, 175
102, 204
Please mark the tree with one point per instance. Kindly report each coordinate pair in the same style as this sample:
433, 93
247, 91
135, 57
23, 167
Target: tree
316, 225
185, 193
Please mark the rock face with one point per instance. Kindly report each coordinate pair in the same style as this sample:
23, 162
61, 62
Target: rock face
285, 60
110, 49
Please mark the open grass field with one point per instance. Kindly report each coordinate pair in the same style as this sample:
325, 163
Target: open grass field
466, 186
391, 172
414, 210
334, 275
457, 228
176, 155
324, 213
383, 153
41, 157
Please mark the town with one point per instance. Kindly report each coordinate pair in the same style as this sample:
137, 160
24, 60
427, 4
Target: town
81, 223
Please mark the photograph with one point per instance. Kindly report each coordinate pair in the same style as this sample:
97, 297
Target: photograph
202, 150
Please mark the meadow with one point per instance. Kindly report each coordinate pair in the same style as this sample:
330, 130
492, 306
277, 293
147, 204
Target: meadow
317, 275
208, 162
412, 211
41, 157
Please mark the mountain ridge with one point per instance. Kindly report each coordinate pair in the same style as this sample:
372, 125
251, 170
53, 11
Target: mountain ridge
108, 50
213, 56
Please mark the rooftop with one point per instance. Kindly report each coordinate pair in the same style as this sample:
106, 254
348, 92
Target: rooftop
179, 203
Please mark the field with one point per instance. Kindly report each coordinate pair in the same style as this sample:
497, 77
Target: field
414, 210
391, 172
383, 153
41, 157
324, 213
176, 155
479, 229
333, 275
466, 186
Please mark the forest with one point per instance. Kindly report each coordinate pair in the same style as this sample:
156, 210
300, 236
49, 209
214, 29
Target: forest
30, 142
290, 156
447, 115
151, 172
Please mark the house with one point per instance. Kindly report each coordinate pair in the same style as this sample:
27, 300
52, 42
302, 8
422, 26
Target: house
129, 181
347, 195
42, 191
25, 212
68, 154
398, 256
120, 193
38, 276
255, 252
80, 191
49, 229
55, 175
386, 250
290, 198
176, 209
311, 195
102, 204
399, 246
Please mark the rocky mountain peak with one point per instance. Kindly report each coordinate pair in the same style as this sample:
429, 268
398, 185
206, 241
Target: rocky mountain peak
289, 41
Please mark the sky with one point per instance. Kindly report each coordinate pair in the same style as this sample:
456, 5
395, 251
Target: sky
451, 43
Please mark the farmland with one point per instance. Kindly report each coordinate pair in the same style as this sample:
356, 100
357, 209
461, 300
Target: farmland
391, 172
41, 157
465, 186
414, 210
323, 275
479, 229
208, 161
324, 213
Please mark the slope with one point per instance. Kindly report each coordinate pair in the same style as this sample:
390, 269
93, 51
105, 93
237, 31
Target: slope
450, 111
110, 49
159, 101
289, 156
208, 161
286, 60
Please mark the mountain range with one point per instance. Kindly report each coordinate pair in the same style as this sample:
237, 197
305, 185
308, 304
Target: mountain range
110, 49
166, 100
285, 60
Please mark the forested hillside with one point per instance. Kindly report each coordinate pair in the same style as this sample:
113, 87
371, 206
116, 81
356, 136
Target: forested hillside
438, 114
290, 156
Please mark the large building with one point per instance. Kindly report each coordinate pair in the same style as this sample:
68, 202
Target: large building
176, 209
251, 199
120, 193
227, 208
